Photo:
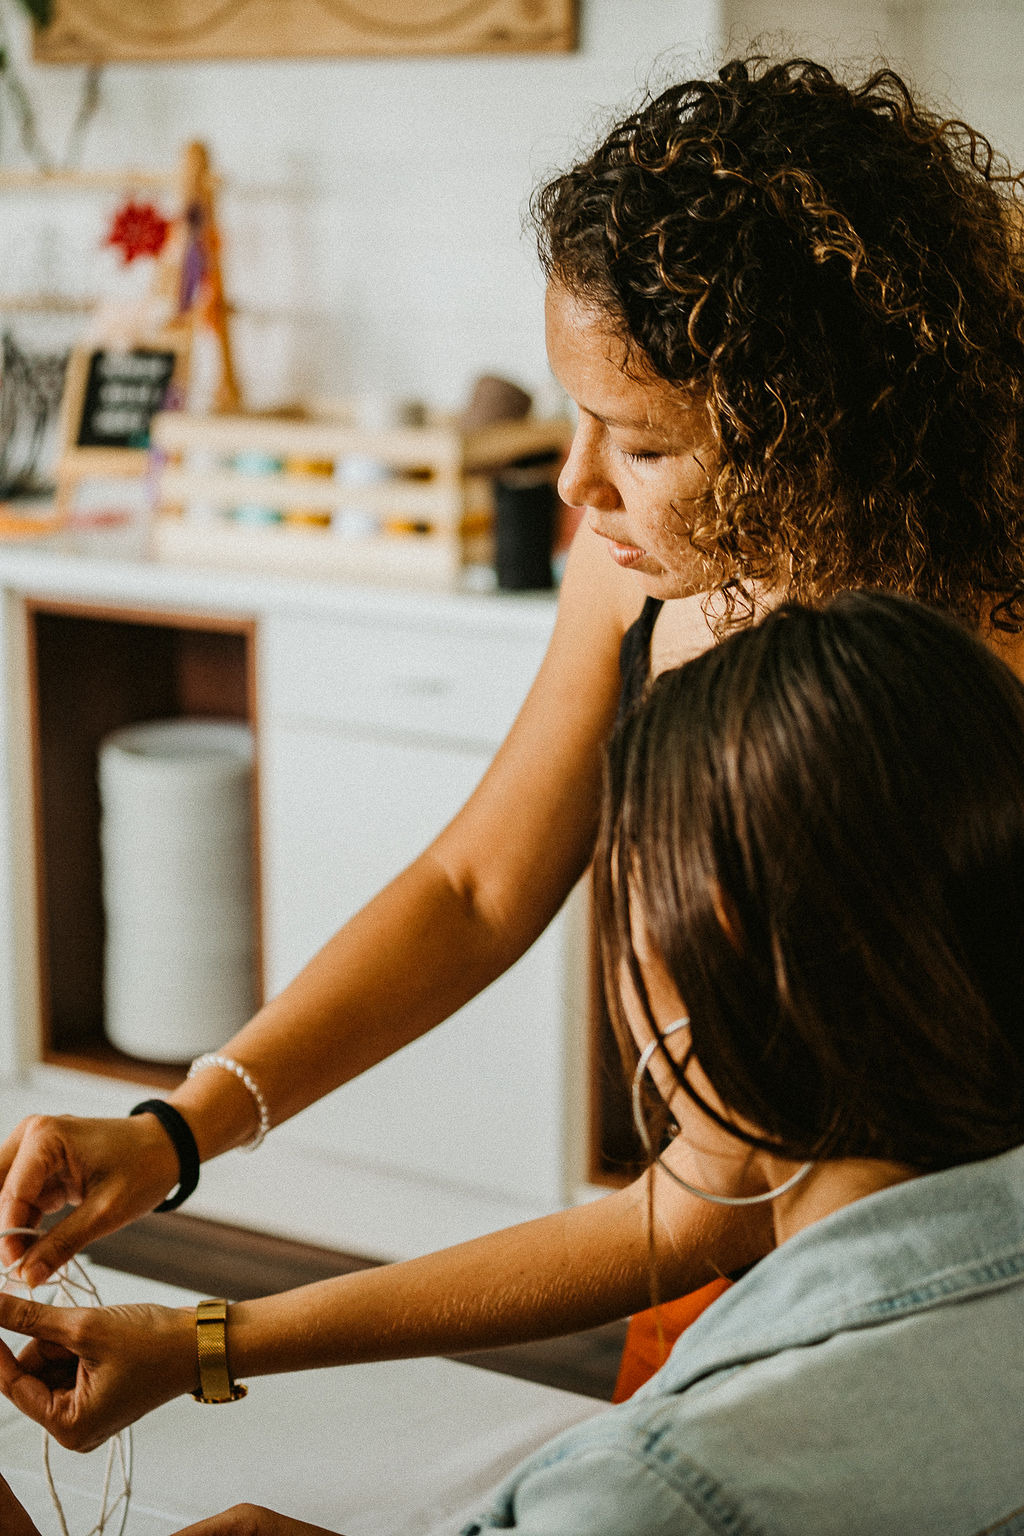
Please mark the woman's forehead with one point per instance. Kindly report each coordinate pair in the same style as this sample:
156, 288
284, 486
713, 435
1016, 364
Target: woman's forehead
591, 362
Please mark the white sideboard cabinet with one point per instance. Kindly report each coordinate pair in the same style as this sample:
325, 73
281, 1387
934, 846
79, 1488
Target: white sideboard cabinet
375, 714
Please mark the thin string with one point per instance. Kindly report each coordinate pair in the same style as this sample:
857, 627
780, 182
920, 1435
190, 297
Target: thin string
71, 1286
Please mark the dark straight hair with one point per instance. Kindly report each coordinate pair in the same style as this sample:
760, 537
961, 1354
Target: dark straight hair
820, 826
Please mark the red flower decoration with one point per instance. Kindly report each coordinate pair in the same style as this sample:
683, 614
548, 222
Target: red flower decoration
138, 229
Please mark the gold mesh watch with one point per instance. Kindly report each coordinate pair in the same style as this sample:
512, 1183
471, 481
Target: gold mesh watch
215, 1384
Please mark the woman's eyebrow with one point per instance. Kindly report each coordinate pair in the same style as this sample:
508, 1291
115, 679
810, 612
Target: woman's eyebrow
632, 423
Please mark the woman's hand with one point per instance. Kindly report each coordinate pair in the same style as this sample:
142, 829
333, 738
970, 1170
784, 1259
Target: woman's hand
244, 1520
89, 1371
240, 1520
111, 1171
13, 1519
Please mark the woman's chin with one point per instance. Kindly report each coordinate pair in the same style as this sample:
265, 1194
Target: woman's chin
656, 580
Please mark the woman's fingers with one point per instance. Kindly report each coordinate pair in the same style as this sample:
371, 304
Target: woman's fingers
13, 1519
82, 1225
91, 1371
33, 1175
29, 1394
30, 1380
108, 1171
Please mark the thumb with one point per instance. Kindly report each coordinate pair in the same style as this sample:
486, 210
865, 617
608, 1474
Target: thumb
29, 1392
39, 1321
53, 1248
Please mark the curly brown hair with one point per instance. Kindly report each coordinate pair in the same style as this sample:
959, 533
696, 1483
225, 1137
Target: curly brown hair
839, 271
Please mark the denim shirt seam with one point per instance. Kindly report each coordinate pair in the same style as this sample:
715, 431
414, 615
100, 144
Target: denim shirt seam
655, 1454
956, 1283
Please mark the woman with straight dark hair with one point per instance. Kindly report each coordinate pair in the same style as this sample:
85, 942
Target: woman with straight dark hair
810, 887
810, 883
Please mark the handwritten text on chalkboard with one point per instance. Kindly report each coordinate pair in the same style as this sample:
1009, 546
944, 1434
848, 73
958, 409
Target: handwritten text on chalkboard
123, 392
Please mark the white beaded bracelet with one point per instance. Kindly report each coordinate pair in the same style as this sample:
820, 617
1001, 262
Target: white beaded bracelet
229, 1064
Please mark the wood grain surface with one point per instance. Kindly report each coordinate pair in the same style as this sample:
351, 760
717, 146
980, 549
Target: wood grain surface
100, 30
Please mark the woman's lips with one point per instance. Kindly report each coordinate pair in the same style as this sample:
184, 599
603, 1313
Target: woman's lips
625, 554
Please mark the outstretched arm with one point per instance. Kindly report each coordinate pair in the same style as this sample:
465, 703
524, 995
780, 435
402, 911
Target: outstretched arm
463, 912
576, 1269
88, 1373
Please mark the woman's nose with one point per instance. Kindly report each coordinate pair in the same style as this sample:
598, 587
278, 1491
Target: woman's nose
584, 481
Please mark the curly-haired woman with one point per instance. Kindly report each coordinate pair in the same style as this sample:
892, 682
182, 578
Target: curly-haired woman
791, 315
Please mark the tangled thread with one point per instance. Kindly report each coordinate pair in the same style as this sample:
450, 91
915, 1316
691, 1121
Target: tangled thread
71, 1286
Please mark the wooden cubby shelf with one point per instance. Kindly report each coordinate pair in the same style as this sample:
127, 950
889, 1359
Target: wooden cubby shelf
92, 671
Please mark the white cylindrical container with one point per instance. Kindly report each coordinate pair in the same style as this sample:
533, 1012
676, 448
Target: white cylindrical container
176, 846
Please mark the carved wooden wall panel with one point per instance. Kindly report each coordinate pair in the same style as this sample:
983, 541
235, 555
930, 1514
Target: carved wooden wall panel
84, 30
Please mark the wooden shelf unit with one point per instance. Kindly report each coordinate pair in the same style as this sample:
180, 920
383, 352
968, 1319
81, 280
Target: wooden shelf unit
92, 671
435, 510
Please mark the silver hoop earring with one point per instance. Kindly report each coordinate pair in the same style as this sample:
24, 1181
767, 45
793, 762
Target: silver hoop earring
656, 1157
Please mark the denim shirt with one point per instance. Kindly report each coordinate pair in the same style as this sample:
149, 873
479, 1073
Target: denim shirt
865, 1379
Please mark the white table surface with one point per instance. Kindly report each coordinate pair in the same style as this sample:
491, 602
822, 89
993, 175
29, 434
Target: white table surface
405, 1448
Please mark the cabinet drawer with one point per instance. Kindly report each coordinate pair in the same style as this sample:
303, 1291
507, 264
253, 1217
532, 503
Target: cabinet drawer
478, 1102
460, 682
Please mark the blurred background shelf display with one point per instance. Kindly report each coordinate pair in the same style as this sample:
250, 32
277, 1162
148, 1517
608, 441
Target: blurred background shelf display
323, 497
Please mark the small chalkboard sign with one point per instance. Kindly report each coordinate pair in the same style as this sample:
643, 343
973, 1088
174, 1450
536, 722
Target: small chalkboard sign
123, 392
110, 398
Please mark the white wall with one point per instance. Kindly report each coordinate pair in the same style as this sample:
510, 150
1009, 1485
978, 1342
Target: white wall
373, 209
967, 57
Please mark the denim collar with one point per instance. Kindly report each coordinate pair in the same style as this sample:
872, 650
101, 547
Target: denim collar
917, 1245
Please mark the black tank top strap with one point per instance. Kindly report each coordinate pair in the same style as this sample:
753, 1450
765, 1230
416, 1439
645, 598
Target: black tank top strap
635, 655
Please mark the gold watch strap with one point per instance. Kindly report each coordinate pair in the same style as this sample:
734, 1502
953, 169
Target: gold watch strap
215, 1384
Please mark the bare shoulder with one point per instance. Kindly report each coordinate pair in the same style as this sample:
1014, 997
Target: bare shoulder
683, 630
1008, 647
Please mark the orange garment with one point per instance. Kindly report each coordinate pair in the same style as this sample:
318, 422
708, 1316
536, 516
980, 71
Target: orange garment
645, 1352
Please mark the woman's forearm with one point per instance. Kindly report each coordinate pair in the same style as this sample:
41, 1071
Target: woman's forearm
397, 968
463, 911
573, 1270
576, 1269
